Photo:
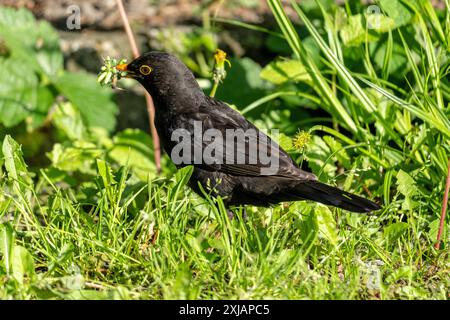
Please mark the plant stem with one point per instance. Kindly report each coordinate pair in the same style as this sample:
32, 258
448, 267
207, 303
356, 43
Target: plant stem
129, 32
148, 98
444, 209
214, 89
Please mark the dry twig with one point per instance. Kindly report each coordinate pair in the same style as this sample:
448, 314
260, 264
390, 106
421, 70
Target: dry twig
148, 98
444, 209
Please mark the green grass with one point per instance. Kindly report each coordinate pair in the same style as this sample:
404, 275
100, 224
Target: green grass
159, 241
98, 223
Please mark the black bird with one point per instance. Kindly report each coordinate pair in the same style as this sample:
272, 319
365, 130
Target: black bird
180, 103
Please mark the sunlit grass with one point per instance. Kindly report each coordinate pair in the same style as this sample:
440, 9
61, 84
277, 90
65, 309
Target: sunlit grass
120, 236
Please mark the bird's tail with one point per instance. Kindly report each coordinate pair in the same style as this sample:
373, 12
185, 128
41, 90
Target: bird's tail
323, 193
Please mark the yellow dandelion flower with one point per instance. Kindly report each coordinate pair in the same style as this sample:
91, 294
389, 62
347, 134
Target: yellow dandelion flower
301, 140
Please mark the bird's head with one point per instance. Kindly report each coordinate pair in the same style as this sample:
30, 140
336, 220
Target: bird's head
162, 74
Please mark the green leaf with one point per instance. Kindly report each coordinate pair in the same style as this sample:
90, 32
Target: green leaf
397, 63
326, 223
22, 264
17, 97
181, 287
395, 231
384, 106
133, 148
278, 45
285, 142
407, 187
14, 163
397, 11
318, 154
105, 172
6, 245
339, 152
434, 229
281, 71
179, 180
92, 295
309, 228
183, 175
22, 95
77, 157
355, 32
33, 43
413, 292
93, 101
44, 100
55, 175
243, 85
12, 111
68, 119
380, 23
404, 272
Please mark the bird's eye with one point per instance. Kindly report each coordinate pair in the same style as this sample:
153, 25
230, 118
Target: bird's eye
145, 69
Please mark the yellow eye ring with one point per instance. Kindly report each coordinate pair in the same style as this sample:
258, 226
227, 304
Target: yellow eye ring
145, 69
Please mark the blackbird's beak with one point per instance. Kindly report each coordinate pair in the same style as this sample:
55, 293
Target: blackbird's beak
123, 67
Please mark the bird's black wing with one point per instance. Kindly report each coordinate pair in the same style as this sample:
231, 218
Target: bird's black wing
217, 115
